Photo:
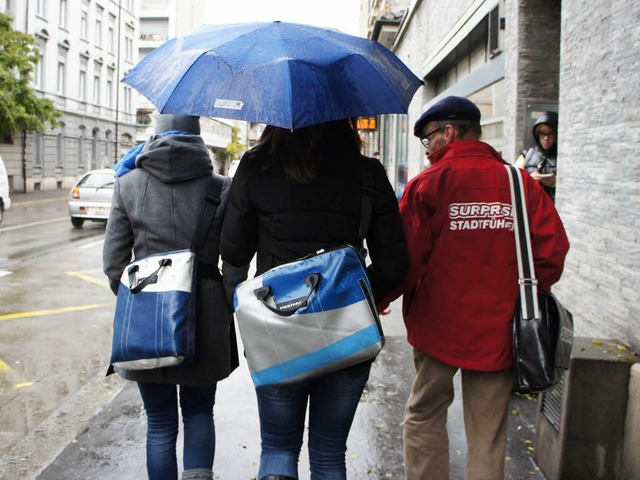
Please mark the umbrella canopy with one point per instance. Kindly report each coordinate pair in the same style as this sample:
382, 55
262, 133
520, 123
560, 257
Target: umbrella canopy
283, 74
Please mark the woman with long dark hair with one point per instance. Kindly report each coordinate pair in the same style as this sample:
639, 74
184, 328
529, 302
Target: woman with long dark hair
297, 192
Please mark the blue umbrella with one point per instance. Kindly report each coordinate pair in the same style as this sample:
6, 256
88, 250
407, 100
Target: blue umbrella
282, 74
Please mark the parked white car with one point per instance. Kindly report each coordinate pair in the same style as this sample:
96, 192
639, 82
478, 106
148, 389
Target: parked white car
5, 201
90, 198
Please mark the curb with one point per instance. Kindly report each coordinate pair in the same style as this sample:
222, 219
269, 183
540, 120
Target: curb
43, 445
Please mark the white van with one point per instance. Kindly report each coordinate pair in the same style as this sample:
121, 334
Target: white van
5, 201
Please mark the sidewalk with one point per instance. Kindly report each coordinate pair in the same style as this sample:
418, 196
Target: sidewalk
100, 434
20, 199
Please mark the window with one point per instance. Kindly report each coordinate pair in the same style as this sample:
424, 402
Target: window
98, 32
107, 144
82, 86
96, 89
128, 41
109, 93
99, 15
82, 150
39, 160
60, 146
127, 99
84, 20
38, 72
62, 14
40, 8
61, 78
111, 35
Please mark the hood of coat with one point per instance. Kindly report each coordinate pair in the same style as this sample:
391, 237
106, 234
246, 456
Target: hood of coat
550, 119
175, 158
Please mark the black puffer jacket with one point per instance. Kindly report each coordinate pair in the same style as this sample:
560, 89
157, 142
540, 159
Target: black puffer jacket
283, 220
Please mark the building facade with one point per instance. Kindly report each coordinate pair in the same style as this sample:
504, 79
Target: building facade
85, 48
516, 59
161, 20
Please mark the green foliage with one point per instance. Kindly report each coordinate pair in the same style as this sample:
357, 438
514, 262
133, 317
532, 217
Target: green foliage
20, 108
235, 147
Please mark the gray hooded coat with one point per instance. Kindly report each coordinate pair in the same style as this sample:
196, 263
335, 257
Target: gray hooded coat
155, 209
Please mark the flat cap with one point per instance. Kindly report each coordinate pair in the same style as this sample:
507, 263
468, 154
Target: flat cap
186, 123
449, 108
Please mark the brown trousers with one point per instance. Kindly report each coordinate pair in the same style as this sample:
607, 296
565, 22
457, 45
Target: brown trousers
485, 402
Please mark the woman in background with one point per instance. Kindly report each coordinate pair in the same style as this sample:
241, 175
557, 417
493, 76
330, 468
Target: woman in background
540, 160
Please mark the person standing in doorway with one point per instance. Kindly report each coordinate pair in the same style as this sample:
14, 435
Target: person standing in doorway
541, 160
461, 289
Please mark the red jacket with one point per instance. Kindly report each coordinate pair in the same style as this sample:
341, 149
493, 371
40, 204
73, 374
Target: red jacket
462, 285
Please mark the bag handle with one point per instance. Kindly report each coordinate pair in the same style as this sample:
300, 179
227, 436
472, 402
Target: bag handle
153, 278
289, 308
526, 273
211, 202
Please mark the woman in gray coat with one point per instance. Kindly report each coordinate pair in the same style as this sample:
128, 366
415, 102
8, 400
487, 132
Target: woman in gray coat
157, 203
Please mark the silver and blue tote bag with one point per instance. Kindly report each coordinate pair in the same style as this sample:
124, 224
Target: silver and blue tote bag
154, 323
308, 318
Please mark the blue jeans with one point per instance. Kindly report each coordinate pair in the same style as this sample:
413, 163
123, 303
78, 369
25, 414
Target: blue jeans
161, 405
333, 400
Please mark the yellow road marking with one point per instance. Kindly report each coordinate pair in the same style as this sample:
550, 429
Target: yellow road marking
55, 311
87, 278
4, 367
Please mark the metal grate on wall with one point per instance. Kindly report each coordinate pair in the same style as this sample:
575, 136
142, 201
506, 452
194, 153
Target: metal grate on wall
494, 25
552, 403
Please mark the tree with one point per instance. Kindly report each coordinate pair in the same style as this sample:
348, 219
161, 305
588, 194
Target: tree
20, 108
235, 147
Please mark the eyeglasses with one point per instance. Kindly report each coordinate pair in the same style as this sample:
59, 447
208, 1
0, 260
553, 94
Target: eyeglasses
546, 134
425, 140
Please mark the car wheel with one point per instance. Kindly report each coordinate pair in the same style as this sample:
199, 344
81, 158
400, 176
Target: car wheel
1, 211
77, 222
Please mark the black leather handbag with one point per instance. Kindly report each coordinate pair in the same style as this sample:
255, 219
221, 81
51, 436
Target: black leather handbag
542, 327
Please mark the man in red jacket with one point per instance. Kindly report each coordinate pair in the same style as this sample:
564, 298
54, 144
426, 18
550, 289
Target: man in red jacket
461, 289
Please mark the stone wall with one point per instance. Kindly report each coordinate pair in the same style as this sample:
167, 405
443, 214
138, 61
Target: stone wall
598, 194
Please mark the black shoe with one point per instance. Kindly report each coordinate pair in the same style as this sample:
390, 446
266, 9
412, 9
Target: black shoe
277, 477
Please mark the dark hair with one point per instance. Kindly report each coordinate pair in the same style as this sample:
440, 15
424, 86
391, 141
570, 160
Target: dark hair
299, 151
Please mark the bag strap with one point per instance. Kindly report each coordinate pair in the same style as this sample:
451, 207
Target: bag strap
211, 201
526, 273
368, 192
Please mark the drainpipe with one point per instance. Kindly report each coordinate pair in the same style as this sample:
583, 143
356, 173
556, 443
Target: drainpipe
117, 85
24, 161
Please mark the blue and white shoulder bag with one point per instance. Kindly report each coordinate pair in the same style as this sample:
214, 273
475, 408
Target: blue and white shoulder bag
155, 318
308, 318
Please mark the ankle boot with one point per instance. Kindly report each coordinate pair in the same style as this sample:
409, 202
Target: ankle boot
197, 474
277, 477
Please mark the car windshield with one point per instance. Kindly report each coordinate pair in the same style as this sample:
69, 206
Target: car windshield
97, 180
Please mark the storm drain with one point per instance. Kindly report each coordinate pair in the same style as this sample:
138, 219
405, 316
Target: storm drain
552, 403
